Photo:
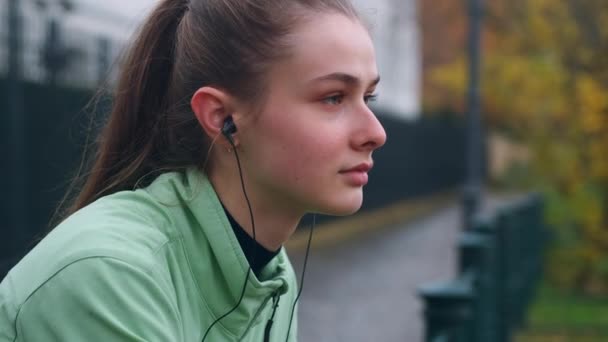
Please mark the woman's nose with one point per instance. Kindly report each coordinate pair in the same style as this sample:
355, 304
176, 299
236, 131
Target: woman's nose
371, 133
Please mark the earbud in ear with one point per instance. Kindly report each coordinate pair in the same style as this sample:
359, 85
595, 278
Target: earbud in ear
229, 128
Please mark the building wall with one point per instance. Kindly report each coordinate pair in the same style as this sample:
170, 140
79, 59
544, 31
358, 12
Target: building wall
395, 32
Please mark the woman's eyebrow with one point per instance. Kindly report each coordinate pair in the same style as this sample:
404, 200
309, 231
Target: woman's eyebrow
344, 78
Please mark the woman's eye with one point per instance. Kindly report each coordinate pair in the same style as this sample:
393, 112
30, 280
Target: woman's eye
370, 98
334, 100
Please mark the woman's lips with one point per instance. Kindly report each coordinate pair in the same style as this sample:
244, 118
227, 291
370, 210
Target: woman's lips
357, 176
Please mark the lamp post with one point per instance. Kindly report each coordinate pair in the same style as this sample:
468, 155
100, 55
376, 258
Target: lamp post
473, 188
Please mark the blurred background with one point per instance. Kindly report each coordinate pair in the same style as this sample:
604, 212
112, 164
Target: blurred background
485, 218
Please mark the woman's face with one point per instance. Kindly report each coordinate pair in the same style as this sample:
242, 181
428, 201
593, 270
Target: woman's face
311, 146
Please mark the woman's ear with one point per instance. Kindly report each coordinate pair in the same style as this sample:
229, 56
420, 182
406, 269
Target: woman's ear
211, 106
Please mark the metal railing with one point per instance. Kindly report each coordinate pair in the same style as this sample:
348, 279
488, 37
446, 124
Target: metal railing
52, 49
500, 265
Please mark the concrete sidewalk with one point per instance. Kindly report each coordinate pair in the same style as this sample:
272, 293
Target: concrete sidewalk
365, 288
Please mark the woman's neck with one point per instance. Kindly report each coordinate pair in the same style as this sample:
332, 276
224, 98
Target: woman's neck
273, 224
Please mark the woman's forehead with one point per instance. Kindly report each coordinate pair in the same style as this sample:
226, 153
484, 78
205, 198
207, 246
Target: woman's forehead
330, 46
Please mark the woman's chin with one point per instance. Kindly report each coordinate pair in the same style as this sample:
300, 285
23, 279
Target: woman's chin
344, 207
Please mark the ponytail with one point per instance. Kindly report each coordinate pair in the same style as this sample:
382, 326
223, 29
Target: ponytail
126, 147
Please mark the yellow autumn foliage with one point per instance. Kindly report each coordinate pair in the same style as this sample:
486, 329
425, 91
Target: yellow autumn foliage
545, 82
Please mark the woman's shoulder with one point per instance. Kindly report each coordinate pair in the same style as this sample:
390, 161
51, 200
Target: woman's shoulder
97, 295
126, 225
122, 227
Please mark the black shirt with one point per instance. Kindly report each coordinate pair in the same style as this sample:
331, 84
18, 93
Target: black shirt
257, 255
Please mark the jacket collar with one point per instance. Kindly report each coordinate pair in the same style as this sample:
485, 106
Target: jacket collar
217, 262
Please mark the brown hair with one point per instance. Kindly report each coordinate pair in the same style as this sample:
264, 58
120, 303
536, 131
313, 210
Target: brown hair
182, 46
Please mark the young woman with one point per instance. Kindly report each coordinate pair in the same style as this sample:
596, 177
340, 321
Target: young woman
231, 120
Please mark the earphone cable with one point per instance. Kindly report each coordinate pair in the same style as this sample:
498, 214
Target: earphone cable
249, 270
302, 276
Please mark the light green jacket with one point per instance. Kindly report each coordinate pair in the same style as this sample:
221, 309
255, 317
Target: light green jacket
155, 264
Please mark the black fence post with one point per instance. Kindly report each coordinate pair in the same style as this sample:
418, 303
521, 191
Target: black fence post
448, 310
489, 328
503, 277
517, 263
474, 259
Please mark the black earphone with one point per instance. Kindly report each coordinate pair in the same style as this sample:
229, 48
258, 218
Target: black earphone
228, 129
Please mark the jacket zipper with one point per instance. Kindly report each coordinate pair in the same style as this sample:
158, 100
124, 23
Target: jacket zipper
275, 304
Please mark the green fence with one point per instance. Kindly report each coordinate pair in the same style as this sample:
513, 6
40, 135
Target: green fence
500, 265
